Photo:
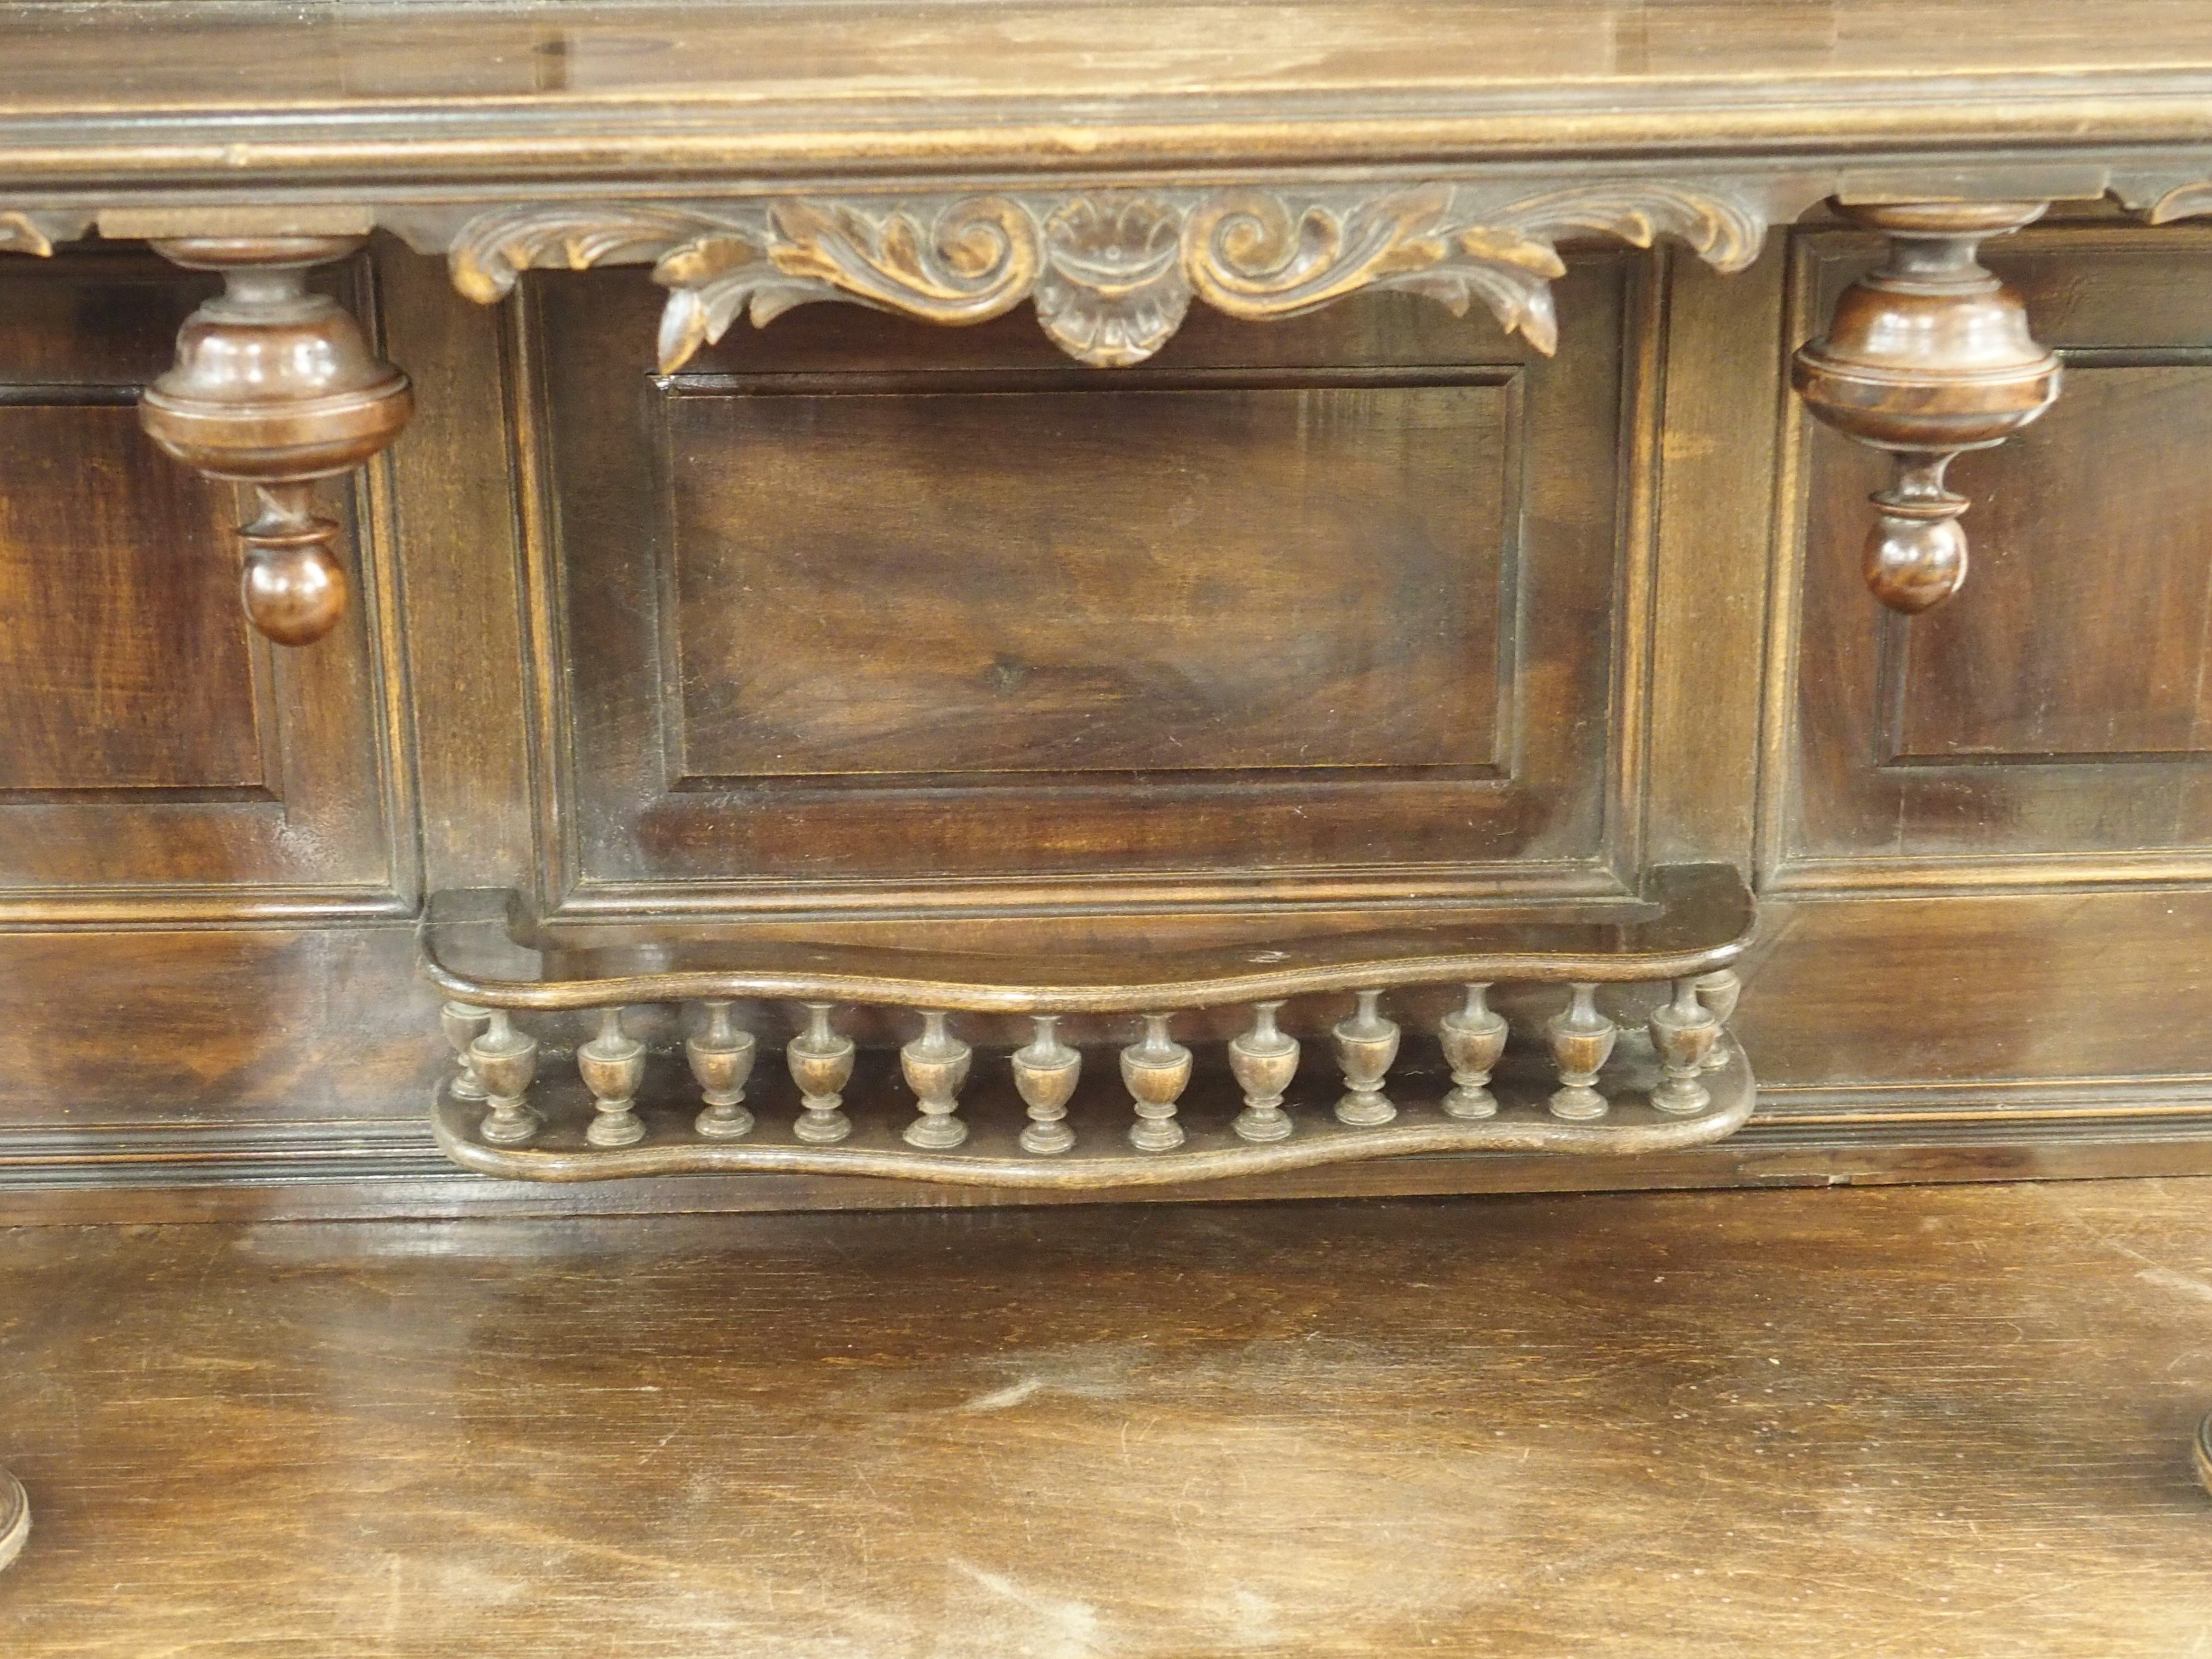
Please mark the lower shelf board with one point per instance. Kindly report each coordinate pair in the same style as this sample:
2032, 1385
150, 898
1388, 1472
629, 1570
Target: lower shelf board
1101, 1157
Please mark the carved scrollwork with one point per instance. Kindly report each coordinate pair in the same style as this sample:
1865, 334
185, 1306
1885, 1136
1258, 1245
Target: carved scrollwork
1112, 273
2183, 202
36, 233
494, 248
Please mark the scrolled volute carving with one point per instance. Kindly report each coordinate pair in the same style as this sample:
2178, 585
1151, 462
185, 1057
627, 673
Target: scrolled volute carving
1112, 273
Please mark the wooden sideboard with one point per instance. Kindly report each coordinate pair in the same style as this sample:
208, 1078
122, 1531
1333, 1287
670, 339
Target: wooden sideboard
1352, 641
1360, 536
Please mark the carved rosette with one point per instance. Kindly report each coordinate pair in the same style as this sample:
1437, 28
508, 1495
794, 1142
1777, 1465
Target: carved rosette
1112, 273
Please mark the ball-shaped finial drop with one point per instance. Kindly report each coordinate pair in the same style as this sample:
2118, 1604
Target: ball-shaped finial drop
1915, 564
295, 594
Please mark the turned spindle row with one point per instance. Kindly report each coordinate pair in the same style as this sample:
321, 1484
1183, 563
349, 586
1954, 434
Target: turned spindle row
499, 1063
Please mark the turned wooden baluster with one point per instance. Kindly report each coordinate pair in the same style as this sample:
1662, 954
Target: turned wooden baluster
1683, 1033
505, 1061
1473, 1042
1719, 991
1581, 1042
721, 1059
1927, 356
936, 1065
1366, 1044
1264, 1058
1046, 1072
274, 387
463, 1022
613, 1065
1157, 1071
821, 1064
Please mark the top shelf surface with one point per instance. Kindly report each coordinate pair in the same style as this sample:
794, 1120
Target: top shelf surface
176, 89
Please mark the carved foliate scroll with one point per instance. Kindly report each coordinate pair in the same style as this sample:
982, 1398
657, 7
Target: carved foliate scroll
1112, 274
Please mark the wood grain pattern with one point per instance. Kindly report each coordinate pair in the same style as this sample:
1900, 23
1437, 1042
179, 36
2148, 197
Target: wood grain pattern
1111, 274
1518, 1427
1259, 606
122, 668
1186, 601
642, 91
1966, 745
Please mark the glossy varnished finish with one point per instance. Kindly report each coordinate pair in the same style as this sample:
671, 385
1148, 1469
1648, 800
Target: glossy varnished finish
651, 91
855, 632
1947, 1423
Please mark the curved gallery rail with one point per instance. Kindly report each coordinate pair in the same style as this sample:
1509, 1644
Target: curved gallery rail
1571, 1080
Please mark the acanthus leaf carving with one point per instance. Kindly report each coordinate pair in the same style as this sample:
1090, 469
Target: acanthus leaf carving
21, 234
1247, 254
1112, 273
35, 232
975, 259
711, 280
494, 248
1726, 234
2182, 202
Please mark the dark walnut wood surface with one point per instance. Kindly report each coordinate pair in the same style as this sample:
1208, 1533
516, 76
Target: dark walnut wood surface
335, 91
1927, 1423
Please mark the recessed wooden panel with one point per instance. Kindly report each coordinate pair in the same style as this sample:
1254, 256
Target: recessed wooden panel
1223, 574
125, 662
2088, 628
2048, 722
155, 763
1302, 604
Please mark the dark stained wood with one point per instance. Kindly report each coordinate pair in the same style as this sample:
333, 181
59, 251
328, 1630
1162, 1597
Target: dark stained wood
859, 633
1954, 1422
1156, 631
2052, 718
914, 605
121, 670
274, 388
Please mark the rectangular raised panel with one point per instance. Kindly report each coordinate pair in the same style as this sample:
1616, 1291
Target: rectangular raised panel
1222, 574
2087, 632
125, 662
156, 762
2049, 723
1305, 611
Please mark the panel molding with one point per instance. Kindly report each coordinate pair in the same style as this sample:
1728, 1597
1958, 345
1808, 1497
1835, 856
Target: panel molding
1783, 869
1011, 779
388, 796
568, 889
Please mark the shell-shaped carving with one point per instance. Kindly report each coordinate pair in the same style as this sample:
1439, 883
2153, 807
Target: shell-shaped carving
1111, 290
